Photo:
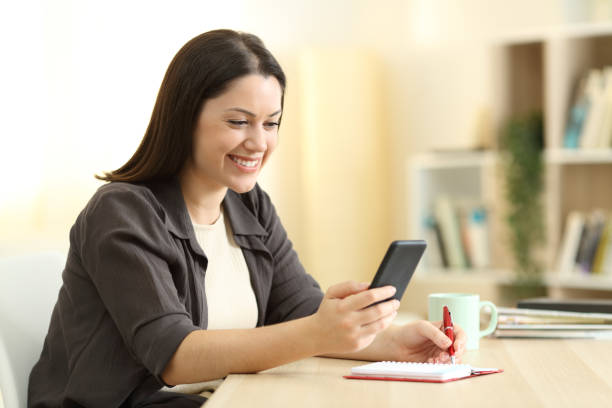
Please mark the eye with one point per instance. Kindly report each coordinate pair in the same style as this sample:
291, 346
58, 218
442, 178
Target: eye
271, 124
237, 122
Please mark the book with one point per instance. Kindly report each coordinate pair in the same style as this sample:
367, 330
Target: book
589, 139
553, 314
553, 334
478, 237
605, 133
435, 255
554, 326
466, 243
606, 262
590, 241
420, 372
556, 320
551, 324
568, 305
577, 116
450, 230
603, 247
570, 243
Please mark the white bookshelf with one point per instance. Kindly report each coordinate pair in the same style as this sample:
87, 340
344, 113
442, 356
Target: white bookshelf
532, 70
579, 156
460, 176
475, 176
551, 33
454, 160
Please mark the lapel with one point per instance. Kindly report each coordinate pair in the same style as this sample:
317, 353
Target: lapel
247, 230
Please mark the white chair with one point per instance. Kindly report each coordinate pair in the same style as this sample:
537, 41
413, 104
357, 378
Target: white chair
29, 287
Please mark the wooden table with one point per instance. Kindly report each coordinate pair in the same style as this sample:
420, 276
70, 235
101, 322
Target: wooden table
538, 373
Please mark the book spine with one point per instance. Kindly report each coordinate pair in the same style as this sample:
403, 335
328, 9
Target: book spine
570, 243
605, 136
606, 263
592, 241
602, 246
433, 255
449, 226
479, 237
577, 114
595, 92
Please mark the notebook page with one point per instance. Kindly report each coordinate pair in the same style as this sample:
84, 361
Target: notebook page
426, 371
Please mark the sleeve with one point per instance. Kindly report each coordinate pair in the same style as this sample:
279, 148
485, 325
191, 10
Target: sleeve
127, 252
294, 293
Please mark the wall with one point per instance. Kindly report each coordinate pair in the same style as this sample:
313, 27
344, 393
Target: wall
80, 78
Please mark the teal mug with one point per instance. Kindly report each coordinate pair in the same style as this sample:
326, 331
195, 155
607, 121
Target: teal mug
465, 312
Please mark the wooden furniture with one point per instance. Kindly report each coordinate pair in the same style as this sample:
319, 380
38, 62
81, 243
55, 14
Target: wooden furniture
535, 69
538, 373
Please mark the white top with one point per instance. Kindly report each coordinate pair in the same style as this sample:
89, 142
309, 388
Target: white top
229, 295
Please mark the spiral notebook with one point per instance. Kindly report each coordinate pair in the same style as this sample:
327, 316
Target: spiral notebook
421, 372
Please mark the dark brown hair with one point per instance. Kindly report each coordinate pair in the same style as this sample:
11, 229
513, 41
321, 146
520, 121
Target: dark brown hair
201, 70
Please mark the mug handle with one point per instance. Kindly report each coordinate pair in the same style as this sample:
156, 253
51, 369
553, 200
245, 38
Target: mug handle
493, 322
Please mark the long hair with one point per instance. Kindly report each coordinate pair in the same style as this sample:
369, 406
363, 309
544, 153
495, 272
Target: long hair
201, 70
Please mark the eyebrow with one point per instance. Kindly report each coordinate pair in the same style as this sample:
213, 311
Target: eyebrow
251, 113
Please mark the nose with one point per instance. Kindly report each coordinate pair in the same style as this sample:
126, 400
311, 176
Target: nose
256, 140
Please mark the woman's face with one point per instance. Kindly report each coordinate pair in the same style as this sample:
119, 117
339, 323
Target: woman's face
236, 132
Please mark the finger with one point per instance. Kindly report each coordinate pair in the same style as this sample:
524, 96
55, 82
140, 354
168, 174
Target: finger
344, 289
378, 325
443, 357
379, 311
460, 339
366, 298
433, 333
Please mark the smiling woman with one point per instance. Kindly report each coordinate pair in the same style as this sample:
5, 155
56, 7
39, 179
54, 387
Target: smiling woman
179, 270
233, 138
201, 71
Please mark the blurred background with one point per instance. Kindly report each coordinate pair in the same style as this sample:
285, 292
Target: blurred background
394, 114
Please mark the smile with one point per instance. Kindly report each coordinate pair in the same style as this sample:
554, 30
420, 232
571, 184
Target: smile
245, 163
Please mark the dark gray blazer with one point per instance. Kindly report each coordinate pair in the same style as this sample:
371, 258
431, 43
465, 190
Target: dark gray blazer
133, 289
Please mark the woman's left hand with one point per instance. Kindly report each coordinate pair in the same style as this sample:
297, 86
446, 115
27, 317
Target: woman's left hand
424, 341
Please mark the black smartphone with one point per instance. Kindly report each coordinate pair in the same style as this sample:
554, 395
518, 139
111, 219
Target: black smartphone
398, 265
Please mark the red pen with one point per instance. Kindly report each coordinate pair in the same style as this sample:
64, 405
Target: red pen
449, 331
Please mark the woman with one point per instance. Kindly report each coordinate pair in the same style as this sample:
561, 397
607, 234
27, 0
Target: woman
179, 270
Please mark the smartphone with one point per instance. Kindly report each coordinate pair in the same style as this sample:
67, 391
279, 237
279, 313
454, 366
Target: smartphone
398, 265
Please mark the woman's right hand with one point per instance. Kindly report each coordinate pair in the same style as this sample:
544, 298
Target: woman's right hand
344, 323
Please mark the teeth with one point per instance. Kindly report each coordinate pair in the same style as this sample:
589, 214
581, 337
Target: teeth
244, 162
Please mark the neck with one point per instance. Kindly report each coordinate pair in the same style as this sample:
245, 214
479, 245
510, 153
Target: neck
202, 197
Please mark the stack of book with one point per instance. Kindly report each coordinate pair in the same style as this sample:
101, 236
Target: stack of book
457, 235
589, 124
556, 319
586, 247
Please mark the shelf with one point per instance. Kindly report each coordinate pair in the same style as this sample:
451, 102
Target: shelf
505, 277
578, 156
579, 30
450, 276
582, 282
542, 34
452, 160
533, 69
